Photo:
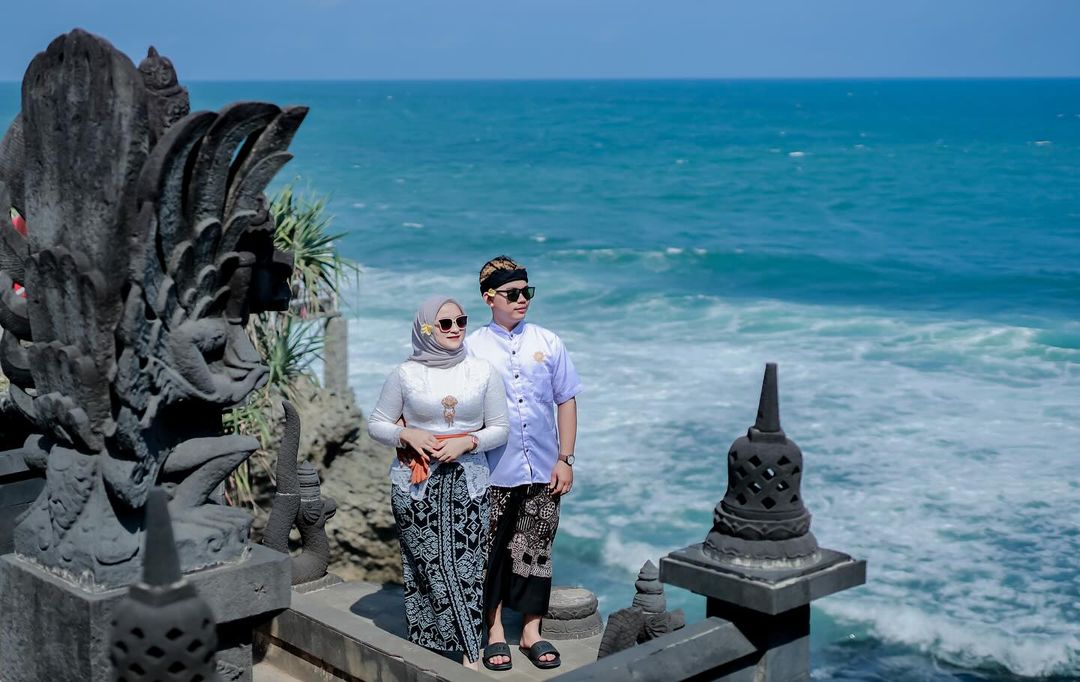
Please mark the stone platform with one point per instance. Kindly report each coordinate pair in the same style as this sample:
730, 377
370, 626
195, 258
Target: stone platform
356, 631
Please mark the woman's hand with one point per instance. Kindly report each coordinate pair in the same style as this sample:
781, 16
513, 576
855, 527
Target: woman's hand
421, 441
453, 448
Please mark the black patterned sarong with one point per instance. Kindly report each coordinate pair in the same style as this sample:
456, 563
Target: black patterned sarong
443, 553
523, 524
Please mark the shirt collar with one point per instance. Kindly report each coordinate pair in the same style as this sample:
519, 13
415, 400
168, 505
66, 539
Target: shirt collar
518, 330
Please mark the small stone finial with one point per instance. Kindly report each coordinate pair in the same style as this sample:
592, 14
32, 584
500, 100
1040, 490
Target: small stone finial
163, 629
161, 565
768, 412
762, 517
652, 602
650, 591
167, 100
157, 71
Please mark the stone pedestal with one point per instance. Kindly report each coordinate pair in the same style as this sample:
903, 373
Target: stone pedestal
571, 614
768, 601
53, 630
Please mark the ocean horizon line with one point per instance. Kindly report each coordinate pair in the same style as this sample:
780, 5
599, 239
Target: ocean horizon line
638, 79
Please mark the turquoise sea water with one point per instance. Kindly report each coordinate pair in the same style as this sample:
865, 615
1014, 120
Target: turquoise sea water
907, 251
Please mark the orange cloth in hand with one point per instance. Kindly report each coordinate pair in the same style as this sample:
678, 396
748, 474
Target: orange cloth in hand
418, 461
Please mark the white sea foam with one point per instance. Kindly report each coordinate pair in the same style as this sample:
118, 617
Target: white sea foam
970, 644
1042, 143
413, 225
940, 450
796, 155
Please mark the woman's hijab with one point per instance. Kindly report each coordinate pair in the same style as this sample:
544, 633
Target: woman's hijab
426, 350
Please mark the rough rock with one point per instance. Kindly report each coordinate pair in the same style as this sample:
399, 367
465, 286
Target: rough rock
353, 469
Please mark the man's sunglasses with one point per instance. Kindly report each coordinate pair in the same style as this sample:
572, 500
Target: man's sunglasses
446, 323
513, 294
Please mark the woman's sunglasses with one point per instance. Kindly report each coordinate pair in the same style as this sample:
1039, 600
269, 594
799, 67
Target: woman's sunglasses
513, 294
446, 323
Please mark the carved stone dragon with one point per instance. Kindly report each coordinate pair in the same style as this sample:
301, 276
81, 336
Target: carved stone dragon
148, 244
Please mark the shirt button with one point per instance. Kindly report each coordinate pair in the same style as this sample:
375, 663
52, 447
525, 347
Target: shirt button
524, 426
521, 400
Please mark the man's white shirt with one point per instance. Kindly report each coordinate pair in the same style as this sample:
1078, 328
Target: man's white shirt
538, 375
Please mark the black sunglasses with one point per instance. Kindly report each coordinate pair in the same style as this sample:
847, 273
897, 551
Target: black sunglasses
513, 294
446, 323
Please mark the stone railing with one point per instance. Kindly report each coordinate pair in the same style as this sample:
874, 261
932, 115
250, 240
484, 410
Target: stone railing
758, 568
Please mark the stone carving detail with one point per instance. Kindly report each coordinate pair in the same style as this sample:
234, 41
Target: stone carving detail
299, 501
163, 630
146, 251
646, 619
762, 516
621, 631
315, 511
652, 602
167, 101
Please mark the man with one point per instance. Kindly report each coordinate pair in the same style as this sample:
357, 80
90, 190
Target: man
534, 469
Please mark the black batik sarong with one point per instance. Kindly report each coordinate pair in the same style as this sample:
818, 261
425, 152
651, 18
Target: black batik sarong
523, 524
443, 552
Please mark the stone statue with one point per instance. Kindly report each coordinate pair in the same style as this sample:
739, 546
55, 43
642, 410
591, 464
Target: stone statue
762, 516
315, 511
167, 100
652, 602
299, 501
646, 619
148, 246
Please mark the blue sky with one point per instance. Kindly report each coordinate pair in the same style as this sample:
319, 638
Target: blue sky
390, 39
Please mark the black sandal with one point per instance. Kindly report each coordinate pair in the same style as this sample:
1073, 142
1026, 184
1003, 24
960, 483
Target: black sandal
542, 648
497, 649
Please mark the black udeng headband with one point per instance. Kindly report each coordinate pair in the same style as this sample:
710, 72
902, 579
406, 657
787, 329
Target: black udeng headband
501, 277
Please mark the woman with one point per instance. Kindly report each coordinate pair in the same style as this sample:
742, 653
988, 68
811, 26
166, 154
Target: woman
454, 407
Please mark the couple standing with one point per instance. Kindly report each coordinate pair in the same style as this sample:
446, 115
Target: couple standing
485, 431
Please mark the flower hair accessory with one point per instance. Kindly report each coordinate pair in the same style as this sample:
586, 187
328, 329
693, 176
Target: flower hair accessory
426, 329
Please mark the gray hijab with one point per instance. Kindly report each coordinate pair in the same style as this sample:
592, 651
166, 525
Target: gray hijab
426, 350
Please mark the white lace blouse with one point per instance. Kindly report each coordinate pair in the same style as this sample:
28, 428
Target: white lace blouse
466, 398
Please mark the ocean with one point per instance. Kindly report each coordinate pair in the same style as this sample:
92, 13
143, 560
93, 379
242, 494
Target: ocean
908, 252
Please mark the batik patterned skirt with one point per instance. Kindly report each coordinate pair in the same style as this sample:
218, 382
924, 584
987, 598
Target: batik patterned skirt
523, 524
443, 553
